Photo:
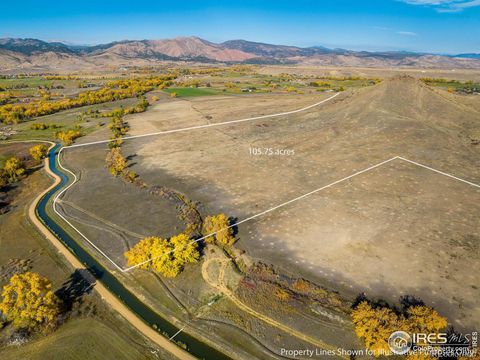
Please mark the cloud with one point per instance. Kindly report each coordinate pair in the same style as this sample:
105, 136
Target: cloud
407, 33
391, 31
445, 5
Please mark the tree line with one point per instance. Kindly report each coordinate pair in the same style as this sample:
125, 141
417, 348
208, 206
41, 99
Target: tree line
168, 257
113, 90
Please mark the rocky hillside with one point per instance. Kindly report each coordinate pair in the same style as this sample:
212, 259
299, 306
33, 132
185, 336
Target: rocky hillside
37, 54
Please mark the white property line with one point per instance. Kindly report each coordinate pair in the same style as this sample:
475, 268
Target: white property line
152, 134
68, 222
269, 210
260, 213
178, 332
248, 218
204, 126
308, 194
439, 172
62, 192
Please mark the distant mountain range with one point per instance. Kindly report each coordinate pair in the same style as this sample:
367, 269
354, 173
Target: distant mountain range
38, 54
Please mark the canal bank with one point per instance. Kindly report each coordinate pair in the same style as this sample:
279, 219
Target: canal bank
142, 317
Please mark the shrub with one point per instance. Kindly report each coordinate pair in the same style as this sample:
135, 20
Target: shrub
219, 226
67, 137
13, 170
38, 126
38, 152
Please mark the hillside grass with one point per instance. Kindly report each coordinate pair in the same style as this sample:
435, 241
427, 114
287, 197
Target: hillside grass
78, 339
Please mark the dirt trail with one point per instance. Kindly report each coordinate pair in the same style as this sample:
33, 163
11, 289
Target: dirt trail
220, 285
101, 220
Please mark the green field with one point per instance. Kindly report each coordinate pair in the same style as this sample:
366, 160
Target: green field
68, 119
468, 86
189, 91
29, 82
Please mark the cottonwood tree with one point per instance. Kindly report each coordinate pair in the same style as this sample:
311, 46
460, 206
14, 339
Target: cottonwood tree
375, 324
68, 136
38, 152
218, 225
165, 256
28, 302
13, 169
115, 161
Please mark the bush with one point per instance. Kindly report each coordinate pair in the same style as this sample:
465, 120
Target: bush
67, 137
130, 176
38, 152
38, 126
13, 170
219, 225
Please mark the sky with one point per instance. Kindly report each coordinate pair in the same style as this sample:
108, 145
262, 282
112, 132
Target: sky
439, 26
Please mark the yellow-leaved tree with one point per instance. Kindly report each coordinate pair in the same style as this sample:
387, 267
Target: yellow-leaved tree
115, 161
184, 249
375, 325
141, 253
28, 302
38, 152
218, 225
423, 319
68, 136
167, 257
13, 169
